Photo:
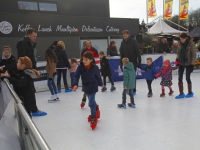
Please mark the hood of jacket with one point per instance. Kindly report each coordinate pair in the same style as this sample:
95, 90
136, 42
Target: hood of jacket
31, 73
58, 48
129, 66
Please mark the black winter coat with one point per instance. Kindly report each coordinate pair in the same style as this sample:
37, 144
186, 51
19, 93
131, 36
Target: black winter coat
112, 51
9, 64
26, 48
91, 78
63, 61
25, 89
130, 50
163, 47
105, 67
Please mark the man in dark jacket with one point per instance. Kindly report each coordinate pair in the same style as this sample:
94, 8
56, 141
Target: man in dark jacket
112, 50
163, 47
130, 49
89, 48
26, 46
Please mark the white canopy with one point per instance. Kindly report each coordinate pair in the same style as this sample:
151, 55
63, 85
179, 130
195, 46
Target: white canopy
160, 27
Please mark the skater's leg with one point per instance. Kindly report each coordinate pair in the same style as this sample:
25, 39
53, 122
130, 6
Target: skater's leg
135, 67
111, 81
58, 77
64, 75
49, 83
54, 85
131, 96
92, 104
104, 80
84, 97
124, 96
189, 70
149, 85
180, 74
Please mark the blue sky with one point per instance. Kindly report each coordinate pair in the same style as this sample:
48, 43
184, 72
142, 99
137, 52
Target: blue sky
137, 8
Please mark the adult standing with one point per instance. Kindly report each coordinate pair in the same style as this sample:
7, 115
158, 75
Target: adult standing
163, 47
62, 65
89, 48
27, 46
130, 49
187, 56
174, 48
112, 49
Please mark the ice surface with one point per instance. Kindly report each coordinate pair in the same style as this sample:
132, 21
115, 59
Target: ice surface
155, 124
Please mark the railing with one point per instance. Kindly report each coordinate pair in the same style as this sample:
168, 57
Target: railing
29, 136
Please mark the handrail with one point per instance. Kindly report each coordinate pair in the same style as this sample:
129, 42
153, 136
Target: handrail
26, 125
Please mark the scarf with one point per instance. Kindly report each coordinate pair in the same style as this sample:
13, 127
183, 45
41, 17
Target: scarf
183, 53
164, 70
88, 67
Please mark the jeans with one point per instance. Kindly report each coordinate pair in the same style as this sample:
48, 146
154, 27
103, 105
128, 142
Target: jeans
72, 76
130, 94
149, 85
189, 70
104, 80
92, 104
64, 75
52, 86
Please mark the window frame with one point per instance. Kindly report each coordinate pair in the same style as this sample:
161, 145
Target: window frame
48, 2
28, 1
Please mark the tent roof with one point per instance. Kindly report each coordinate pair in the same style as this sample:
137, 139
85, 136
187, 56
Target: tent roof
160, 27
195, 32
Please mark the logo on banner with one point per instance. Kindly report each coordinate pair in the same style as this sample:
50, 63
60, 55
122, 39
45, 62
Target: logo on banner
5, 27
119, 71
91, 29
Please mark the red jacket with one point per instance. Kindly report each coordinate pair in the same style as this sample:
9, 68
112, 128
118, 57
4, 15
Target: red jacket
92, 50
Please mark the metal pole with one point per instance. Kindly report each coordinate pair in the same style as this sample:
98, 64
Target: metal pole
179, 15
147, 12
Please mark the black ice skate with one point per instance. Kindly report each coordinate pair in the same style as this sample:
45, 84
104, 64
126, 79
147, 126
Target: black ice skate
103, 89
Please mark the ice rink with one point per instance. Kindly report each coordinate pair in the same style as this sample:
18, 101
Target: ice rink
155, 124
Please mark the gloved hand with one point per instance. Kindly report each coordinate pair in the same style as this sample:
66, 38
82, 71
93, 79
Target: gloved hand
50, 79
157, 75
177, 62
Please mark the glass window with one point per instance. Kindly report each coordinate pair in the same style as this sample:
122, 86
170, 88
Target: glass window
22, 5
48, 6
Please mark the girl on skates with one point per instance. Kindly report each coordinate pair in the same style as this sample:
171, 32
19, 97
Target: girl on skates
150, 73
166, 74
91, 79
105, 71
52, 60
129, 83
22, 81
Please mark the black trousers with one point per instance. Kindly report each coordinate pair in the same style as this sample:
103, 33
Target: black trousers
109, 77
189, 70
130, 94
149, 85
64, 75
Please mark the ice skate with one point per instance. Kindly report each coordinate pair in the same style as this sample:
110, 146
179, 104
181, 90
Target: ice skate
67, 89
149, 94
82, 104
163, 93
93, 123
121, 105
38, 113
97, 114
103, 89
171, 92
131, 105
113, 88
56, 95
53, 99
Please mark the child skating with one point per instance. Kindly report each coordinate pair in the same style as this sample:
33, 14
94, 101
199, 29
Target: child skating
166, 74
51, 60
105, 71
91, 79
129, 83
150, 74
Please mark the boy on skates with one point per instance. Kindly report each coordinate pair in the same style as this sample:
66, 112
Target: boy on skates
105, 71
129, 83
91, 79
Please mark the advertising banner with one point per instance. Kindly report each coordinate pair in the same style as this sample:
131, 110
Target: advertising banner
168, 5
152, 8
184, 4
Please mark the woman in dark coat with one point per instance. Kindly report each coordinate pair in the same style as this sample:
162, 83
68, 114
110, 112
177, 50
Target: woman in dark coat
62, 65
22, 81
112, 50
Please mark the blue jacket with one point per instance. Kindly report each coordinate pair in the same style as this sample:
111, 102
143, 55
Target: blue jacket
91, 78
150, 72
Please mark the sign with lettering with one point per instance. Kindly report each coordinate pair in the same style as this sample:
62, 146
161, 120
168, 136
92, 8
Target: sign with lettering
16, 25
